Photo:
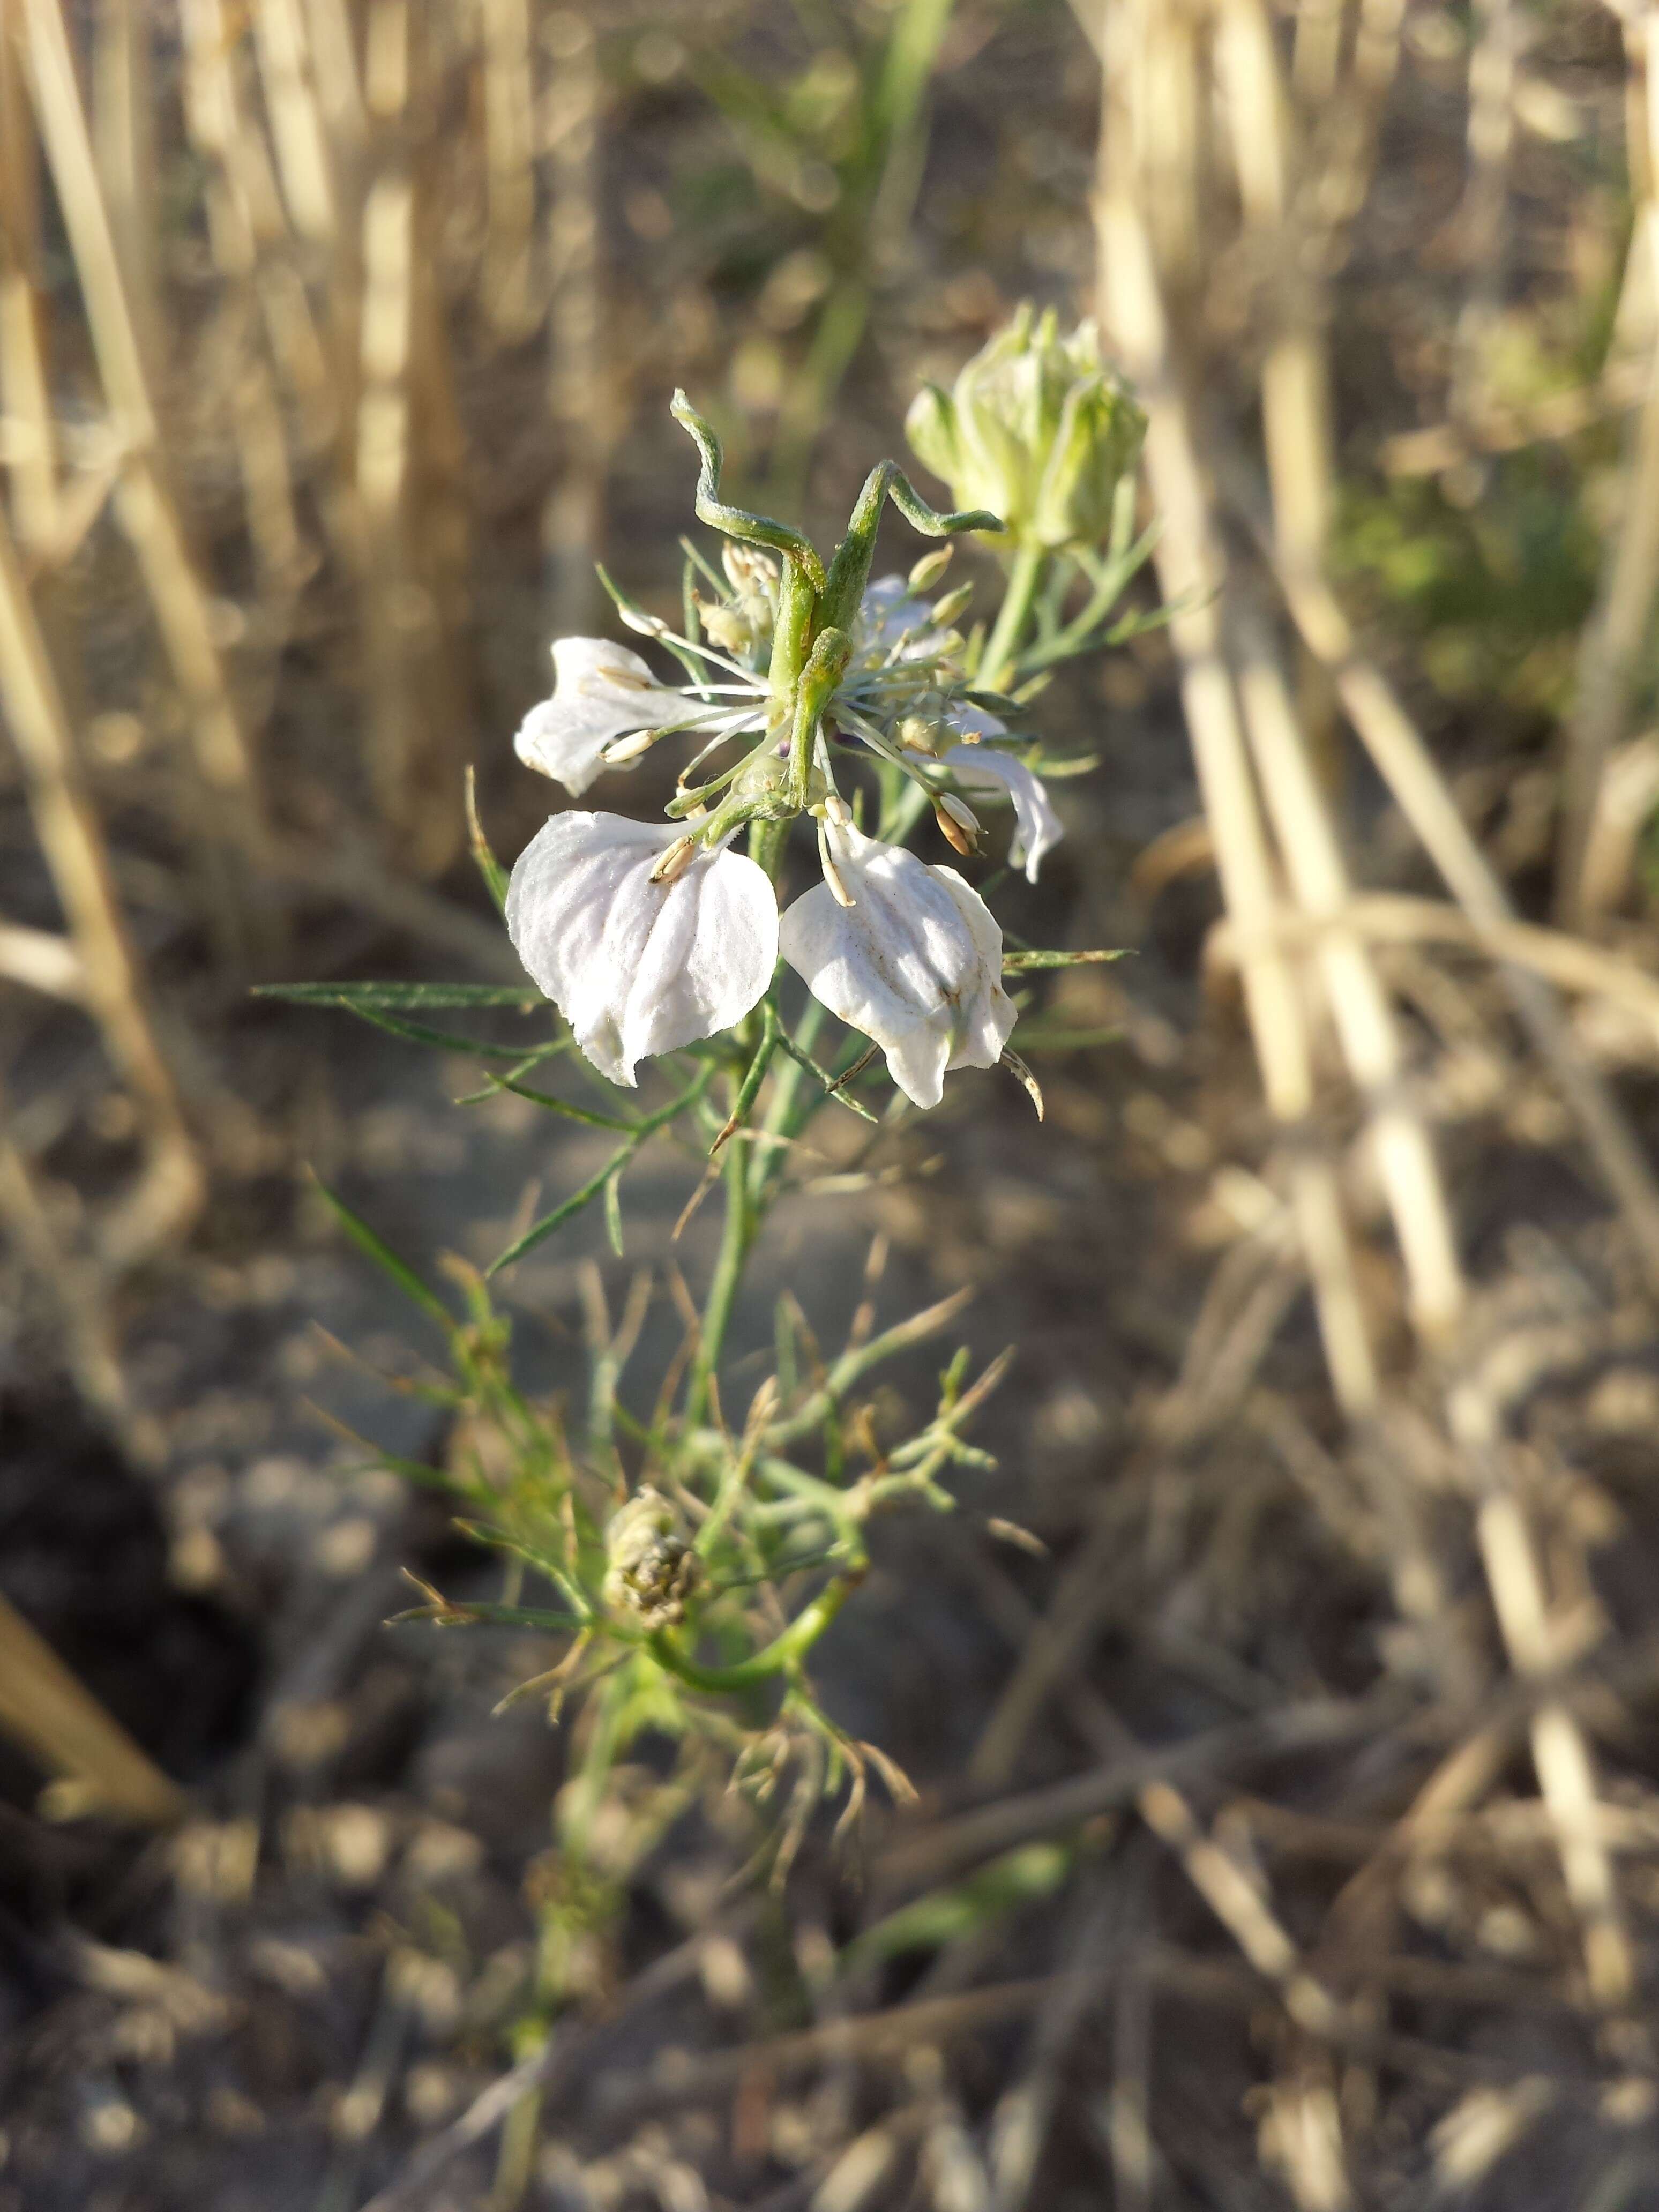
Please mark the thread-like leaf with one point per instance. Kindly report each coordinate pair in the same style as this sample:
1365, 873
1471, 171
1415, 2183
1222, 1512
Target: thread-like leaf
399, 1270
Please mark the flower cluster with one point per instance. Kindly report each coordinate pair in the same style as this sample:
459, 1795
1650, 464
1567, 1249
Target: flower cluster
650, 936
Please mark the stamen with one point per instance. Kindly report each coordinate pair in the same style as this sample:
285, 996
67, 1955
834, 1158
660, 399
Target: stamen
619, 750
832, 874
675, 861
958, 821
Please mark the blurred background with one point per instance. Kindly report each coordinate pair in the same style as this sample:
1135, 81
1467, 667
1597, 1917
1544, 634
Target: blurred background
1289, 1820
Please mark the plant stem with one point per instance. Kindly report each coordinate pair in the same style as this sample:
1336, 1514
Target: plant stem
780, 1654
996, 670
735, 1240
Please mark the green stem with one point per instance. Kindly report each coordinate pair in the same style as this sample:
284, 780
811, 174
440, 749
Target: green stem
735, 1240
784, 1652
996, 669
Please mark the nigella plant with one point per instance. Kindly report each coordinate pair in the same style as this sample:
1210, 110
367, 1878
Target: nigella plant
681, 1565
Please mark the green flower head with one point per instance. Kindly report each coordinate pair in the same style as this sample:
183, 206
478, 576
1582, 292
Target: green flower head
1036, 427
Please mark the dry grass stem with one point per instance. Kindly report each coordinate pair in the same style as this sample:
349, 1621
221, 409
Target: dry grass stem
61, 1723
43, 962
1570, 963
576, 399
28, 444
72, 841
509, 85
287, 73
1419, 790
1190, 570
1359, 1005
144, 503
70, 1289
1616, 635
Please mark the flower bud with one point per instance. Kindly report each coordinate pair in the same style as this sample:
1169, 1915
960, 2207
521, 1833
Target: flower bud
955, 603
931, 567
1037, 428
919, 733
650, 1569
741, 627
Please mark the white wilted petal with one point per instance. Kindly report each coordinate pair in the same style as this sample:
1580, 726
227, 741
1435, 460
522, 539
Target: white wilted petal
986, 771
915, 962
637, 967
600, 691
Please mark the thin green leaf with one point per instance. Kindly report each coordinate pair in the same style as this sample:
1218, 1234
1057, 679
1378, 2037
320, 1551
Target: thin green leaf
1057, 1040
613, 1220
549, 1104
499, 1540
387, 1259
469, 1613
595, 1183
417, 995
786, 1044
489, 866
1014, 963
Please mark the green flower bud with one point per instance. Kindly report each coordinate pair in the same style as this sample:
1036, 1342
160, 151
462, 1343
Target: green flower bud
1037, 428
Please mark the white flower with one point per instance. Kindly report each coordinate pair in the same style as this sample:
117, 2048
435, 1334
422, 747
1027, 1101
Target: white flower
605, 694
986, 771
636, 966
601, 691
915, 962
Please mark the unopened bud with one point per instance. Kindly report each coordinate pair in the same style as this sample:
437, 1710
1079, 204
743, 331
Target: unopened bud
747, 569
931, 567
1038, 428
958, 821
675, 861
953, 604
836, 810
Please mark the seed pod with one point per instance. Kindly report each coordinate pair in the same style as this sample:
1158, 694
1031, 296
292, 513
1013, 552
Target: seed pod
651, 1570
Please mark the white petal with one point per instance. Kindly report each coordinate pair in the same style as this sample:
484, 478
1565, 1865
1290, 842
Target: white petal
891, 611
916, 963
987, 771
989, 1013
637, 967
600, 691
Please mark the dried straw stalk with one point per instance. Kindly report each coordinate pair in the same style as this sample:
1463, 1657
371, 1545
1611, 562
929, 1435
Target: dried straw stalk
171, 1191
509, 288
1311, 855
143, 501
1617, 633
70, 1287
576, 400
60, 1721
29, 447
407, 459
